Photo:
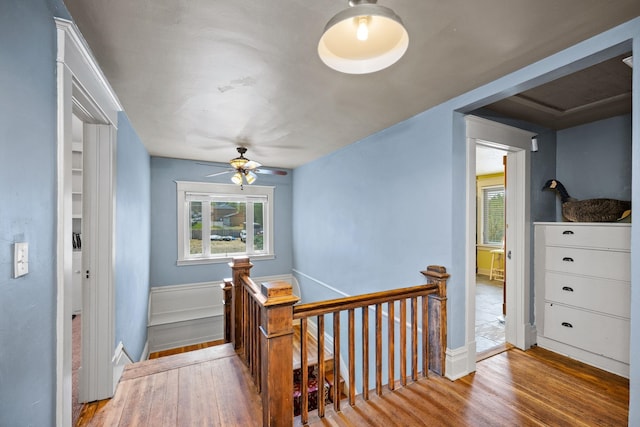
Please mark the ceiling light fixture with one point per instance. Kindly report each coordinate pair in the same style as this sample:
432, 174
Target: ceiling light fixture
363, 38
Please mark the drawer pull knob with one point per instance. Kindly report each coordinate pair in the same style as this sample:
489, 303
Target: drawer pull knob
567, 325
567, 232
567, 259
567, 288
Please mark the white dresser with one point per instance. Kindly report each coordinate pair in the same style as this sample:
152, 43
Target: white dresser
583, 291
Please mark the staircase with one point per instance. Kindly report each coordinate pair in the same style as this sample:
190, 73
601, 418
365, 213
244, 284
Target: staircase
312, 360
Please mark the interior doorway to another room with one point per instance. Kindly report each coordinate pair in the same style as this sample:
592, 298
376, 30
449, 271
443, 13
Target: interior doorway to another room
490, 261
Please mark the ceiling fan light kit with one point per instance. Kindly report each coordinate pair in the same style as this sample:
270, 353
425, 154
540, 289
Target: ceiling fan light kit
363, 38
244, 170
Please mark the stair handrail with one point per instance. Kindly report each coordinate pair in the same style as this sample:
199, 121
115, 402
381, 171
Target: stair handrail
259, 321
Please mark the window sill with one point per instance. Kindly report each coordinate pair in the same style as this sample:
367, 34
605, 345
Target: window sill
200, 261
488, 247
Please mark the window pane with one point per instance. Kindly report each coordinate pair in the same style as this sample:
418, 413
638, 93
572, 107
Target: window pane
493, 215
195, 229
227, 219
258, 226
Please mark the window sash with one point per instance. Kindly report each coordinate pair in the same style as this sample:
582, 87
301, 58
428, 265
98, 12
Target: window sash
493, 218
208, 193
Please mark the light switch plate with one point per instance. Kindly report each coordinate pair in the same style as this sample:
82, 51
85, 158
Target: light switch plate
20, 259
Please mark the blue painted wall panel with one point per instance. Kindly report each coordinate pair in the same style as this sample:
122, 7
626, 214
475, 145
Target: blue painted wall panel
133, 202
27, 213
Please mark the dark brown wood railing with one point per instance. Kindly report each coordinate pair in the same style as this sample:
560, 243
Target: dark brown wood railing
259, 321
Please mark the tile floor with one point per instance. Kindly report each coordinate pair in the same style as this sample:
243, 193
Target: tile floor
489, 327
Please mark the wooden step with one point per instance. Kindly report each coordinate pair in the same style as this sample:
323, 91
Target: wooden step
312, 351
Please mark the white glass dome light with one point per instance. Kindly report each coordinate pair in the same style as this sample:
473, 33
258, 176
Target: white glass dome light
363, 38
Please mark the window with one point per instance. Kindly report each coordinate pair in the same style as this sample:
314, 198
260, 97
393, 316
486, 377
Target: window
220, 221
492, 211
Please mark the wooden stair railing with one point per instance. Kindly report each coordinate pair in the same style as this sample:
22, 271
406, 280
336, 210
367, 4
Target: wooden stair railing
261, 330
259, 322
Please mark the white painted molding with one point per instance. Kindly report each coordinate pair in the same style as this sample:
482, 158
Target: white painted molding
192, 313
119, 360
80, 85
457, 361
321, 283
145, 352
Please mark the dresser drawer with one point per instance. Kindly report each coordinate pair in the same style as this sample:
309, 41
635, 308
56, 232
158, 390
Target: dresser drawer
600, 334
594, 236
607, 296
588, 262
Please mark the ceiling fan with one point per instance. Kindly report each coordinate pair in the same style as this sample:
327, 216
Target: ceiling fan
245, 169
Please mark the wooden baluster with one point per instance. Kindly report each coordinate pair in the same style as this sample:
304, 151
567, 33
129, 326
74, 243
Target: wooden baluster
425, 337
227, 301
321, 367
250, 322
414, 339
403, 342
352, 358
391, 344
365, 353
241, 266
336, 361
257, 348
304, 387
246, 300
379, 349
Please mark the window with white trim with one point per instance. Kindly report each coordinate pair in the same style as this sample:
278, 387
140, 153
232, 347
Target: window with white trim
492, 212
219, 221
490, 203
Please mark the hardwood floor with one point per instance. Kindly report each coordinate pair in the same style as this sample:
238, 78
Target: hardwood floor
514, 388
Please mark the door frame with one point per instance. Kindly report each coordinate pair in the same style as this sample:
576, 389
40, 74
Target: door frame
517, 142
82, 89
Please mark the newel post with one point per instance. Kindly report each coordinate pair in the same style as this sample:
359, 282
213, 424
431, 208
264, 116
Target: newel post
241, 266
276, 353
437, 318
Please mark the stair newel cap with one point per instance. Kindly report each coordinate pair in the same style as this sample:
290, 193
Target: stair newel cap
240, 262
437, 274
278, 292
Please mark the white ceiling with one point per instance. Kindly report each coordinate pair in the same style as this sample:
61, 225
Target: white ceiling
199, 77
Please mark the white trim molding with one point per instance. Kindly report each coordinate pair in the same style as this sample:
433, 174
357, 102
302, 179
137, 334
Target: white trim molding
82, 88
191, 313
460, 362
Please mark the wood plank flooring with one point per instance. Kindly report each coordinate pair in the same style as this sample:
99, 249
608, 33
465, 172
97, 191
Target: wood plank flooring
514, 388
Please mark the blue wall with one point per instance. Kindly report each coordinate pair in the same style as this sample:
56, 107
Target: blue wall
594, 160
133, 202
164, 224
377, 227
27, 213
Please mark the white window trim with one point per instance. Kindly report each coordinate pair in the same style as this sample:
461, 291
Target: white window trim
184, 187
481, 184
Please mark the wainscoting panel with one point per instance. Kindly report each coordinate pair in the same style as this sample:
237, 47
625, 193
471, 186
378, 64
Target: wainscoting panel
181, 315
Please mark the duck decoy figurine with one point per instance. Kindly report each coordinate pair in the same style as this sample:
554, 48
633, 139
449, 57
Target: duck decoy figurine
589, 210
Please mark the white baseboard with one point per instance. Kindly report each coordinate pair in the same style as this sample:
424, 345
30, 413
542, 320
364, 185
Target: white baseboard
460, 362
145, 352
119, 360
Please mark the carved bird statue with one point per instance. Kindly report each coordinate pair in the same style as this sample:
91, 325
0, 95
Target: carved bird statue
589, 210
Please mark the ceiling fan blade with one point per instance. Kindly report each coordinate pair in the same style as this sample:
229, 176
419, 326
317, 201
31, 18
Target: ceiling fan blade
251, 165
271, 171
219, 173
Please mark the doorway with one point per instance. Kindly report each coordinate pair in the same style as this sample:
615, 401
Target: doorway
490, 320
83, 92
516, 143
